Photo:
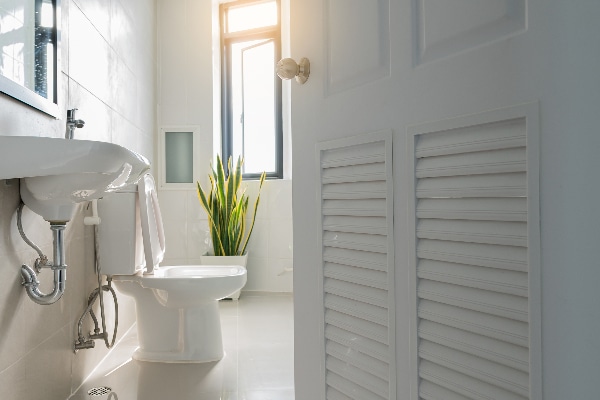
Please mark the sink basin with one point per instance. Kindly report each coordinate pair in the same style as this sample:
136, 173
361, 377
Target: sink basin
58, 173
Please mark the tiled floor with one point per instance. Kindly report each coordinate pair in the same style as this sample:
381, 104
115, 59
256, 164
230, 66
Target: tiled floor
258, 365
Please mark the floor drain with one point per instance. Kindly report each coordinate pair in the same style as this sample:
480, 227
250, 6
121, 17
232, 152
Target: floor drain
99, 391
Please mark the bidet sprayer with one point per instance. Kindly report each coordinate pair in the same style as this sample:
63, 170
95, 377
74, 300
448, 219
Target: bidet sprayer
72, 123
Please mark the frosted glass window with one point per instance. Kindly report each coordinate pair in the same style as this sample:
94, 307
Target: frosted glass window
179, 155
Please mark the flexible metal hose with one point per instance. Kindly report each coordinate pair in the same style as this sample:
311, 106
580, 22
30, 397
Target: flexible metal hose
81, 342
100, 287
42, 260
107, 288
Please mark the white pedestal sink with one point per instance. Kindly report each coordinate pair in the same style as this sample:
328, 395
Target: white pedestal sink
58, 173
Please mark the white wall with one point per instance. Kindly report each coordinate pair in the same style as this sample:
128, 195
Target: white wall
188, 71
108, 73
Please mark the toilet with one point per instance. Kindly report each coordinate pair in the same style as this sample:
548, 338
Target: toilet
177, 307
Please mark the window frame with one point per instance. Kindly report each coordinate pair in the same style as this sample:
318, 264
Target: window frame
226, 41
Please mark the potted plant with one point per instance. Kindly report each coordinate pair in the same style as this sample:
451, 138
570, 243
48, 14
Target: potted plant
226, 205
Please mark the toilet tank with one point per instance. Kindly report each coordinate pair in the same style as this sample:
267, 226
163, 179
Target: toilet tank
120, 250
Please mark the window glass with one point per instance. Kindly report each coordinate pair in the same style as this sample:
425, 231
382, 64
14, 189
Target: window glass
242, 18
251, 117
179, 157
253, 88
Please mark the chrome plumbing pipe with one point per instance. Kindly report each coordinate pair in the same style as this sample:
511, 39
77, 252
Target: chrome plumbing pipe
29, 276
72, 124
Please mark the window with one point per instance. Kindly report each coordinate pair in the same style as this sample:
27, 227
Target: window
251, 91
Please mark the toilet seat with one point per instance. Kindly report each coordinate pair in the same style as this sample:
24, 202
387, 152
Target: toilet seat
190, 284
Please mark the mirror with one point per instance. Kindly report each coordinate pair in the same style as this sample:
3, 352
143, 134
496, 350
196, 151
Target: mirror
29, 42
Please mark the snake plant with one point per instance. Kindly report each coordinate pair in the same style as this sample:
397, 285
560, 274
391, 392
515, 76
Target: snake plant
226, 205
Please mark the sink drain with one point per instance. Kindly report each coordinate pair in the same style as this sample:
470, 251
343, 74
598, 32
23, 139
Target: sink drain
99, 391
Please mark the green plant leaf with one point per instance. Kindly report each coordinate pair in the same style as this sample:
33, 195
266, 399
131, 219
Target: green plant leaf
208, 204
220, 182
262, 180
230, 195
226, 206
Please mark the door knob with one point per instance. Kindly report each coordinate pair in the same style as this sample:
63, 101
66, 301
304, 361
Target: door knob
287, 68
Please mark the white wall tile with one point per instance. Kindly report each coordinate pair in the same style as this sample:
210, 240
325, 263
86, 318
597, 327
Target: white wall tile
123, 26
13, 344
97, 12
252, 192
126, 134
258, 273
280, 238
259, 240
56, 351
176, 239
195, 211
145, 146
90, 57
281, 275
123, 90
198, 240
14, 381
280, 199
173, 205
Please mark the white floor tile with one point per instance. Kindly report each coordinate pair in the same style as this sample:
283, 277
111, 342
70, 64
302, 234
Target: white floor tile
258, 363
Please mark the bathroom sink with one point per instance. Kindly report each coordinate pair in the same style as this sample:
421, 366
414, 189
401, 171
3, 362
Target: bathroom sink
58, 173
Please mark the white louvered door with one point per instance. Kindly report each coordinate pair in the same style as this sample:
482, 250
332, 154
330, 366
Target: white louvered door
473, 265
395, 65
357, 268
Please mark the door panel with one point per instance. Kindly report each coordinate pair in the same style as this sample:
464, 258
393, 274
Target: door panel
393, 64
357, 47
449, 27
357, 316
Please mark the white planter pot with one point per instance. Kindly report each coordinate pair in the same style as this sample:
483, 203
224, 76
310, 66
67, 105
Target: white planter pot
225, 260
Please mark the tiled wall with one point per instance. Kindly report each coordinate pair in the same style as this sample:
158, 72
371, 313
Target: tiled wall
108, 73
187, 77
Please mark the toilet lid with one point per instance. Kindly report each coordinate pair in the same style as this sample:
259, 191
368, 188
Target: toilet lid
152, 225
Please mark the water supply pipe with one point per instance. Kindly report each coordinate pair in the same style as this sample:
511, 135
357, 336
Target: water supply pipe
88, 343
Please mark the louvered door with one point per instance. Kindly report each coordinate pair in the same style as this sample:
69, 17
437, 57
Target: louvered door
357, 277
473, 261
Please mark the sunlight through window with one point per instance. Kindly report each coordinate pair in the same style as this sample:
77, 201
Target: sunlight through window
250, 17
252, 125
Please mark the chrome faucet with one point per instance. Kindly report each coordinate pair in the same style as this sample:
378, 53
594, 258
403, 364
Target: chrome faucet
72, 123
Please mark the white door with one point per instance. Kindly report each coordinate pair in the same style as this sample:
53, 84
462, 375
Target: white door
394, 65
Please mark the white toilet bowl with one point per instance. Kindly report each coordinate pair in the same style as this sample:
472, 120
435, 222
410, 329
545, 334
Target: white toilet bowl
176, 306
